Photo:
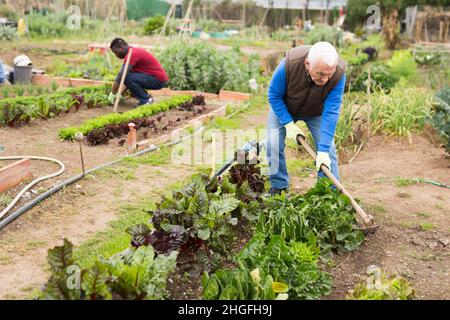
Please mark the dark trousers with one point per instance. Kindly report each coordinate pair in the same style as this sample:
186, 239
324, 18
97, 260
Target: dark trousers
137, 83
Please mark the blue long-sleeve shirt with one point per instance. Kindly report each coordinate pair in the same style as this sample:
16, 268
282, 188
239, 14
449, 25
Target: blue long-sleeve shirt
331, 107
2, 73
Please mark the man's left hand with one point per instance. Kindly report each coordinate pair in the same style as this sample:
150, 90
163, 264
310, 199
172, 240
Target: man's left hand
323, 158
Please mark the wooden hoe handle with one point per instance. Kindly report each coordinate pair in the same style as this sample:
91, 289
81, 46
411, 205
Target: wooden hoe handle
367, 218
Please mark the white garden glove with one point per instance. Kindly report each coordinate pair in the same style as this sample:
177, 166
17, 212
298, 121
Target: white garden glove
112, 98
323, 158
292, 131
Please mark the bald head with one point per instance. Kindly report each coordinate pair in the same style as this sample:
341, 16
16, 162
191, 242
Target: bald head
321, 62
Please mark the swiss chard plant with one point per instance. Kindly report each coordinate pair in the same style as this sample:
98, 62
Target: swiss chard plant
239, 284
134, 274
21, 110
294, 263
192, 213
322, 212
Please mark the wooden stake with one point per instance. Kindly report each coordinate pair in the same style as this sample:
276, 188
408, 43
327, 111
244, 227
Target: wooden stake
213, 153
122, 80
369, 80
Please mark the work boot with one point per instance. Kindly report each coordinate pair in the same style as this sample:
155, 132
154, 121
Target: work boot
274, 191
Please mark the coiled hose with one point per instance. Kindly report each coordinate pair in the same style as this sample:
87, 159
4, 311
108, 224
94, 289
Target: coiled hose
34, 182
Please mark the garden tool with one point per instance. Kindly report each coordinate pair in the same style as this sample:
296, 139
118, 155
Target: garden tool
252, 147
122, 80
368, 219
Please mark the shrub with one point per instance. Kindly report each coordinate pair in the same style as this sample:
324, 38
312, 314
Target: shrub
154, 24
202, 67
400, 112
8, 11
381, 78
50, 25
8, 33
402, 64
325, 33
440, 118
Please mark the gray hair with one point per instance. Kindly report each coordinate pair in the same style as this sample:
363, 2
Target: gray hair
325, 52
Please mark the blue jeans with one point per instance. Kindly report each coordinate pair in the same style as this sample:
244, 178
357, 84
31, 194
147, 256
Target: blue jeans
276, 135
137, 83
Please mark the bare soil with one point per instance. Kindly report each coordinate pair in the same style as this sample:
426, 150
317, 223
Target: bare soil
40, 138
412, 241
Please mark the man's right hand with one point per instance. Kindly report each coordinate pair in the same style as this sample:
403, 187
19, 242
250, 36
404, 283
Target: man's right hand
112, 98
292, 131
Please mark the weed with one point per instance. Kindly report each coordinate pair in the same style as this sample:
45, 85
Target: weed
426, 226
404, 182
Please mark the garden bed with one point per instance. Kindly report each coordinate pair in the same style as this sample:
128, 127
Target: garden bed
40, 137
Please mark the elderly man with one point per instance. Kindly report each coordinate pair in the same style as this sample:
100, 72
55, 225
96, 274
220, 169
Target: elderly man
308, 86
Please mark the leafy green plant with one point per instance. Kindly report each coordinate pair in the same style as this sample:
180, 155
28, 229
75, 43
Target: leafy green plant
379, 287
8, 33
204, 68
20, 110
291, 262
116, 118
325, 33
402, 64
428, 58
238, 284
54, 86
202, 215
154, 24
401, 112
440, 118
133, 274
322, 213
95, 66
381, 78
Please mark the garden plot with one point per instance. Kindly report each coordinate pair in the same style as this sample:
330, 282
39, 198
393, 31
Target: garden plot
40, 137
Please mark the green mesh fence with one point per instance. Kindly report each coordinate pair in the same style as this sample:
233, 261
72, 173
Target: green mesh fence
139, 9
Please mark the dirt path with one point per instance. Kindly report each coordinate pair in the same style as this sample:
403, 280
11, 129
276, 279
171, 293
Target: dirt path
77, 212
40, 138
413, 240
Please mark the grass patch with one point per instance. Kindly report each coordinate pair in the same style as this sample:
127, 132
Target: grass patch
32, 244
378, 208
406, 224
299, 167
404, 182
27, 289
5, 200
224, 124
114, 239
120, 172
155, 158
426, 226
422, 214
5, 260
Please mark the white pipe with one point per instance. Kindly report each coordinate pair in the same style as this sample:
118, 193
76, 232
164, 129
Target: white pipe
31, 184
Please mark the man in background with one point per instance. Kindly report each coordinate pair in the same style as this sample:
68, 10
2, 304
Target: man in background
144, 72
